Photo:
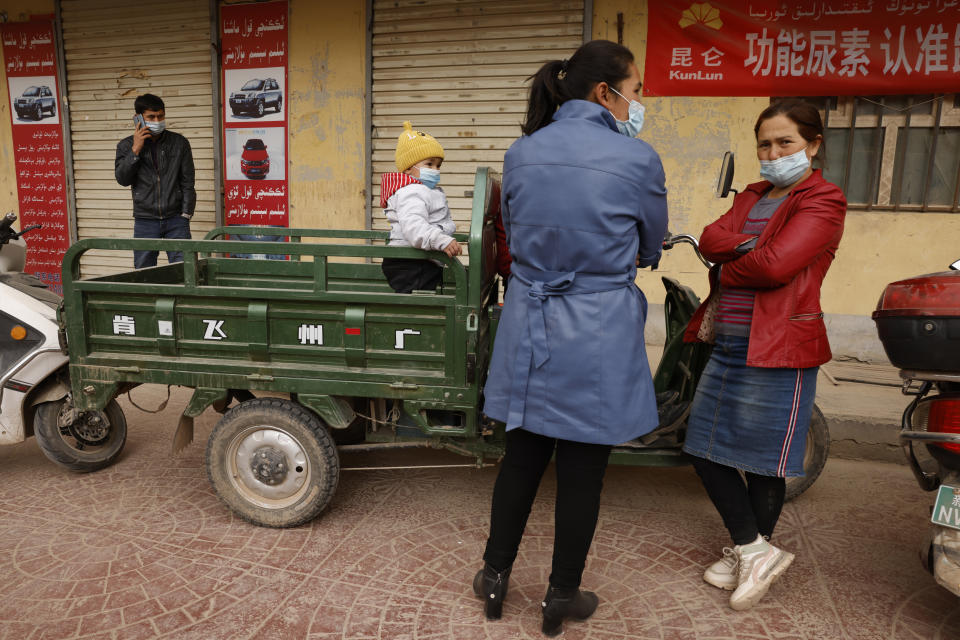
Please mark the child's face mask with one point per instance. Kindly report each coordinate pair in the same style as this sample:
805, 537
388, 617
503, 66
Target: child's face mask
429, 177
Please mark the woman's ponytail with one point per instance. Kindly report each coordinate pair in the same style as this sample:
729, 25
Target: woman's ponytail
560, 80
545, 96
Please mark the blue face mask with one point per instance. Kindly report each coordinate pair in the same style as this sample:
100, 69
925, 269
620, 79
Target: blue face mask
429, 177
156, 128
786, 170
634, 122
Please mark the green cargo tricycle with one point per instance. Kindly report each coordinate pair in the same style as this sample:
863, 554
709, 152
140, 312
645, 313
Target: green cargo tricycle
340, 362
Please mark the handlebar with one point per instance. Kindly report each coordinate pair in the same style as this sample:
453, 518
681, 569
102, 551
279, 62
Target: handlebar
670, 241
7, 233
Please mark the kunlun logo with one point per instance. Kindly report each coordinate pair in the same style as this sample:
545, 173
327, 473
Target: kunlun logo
701, 13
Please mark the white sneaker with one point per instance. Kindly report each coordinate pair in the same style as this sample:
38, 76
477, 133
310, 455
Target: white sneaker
723, 572
760, 564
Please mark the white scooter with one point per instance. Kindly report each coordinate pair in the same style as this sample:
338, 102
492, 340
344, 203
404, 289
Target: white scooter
35, 396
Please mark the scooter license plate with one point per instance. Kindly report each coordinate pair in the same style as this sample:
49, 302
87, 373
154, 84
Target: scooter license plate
946, 510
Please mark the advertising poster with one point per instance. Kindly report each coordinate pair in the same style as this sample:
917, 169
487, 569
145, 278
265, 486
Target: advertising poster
254, 49
802, 48
30, 59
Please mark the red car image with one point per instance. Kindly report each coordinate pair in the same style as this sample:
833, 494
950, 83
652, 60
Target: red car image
254, 161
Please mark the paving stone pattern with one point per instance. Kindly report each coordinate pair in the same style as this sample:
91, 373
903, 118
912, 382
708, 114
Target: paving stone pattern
144, 549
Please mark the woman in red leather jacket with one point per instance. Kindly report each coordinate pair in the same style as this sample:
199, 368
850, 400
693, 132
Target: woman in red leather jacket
755, 397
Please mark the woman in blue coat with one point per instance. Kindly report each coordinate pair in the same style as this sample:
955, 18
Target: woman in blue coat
584, 204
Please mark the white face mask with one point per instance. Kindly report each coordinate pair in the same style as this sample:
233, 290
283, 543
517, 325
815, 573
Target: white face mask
785, 170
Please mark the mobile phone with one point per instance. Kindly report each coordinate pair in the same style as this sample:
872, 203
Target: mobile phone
138, 120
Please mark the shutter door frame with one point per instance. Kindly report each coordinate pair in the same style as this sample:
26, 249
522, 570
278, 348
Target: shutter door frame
107, 61
74, 233
217, 100
469, 138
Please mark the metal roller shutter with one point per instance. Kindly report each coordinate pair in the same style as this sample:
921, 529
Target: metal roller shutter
457, 70
116, 50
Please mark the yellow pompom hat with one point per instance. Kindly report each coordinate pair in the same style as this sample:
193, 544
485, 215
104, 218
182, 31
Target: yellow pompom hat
414, 146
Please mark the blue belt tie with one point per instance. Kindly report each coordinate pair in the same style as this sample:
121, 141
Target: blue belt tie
534, 345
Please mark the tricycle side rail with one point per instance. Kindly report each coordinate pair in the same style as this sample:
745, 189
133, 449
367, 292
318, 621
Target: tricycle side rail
485, 210
218, 324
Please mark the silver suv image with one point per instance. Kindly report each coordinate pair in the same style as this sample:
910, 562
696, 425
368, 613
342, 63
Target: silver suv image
255, 96
34, 101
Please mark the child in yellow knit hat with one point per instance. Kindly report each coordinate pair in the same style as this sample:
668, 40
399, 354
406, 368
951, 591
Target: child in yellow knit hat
417, 210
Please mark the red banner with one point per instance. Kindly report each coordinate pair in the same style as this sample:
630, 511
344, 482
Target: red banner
254, 48
30, 60
837, 47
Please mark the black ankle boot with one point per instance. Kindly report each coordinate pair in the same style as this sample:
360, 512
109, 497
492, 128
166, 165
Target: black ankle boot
492, 587
560, 604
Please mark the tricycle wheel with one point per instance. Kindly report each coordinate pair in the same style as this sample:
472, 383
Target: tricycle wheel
818, 446
272, 462
80, 440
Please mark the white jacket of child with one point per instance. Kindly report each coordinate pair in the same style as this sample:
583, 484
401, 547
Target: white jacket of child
420, 218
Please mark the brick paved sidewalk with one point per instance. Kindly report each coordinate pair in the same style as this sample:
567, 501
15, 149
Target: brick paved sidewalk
145, 550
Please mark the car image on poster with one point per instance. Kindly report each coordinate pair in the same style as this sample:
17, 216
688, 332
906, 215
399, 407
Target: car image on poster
33, 100
254, 95
256, 154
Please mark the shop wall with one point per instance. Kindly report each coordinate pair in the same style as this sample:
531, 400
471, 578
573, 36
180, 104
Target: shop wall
327, 136
327, 79
16, 11
691, 135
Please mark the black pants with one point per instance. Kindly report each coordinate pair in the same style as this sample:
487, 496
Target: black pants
405, 274
747, 509
580, 470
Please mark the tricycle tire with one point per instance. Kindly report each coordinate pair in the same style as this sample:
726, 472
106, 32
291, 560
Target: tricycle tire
61, 445
818, 447
272, 462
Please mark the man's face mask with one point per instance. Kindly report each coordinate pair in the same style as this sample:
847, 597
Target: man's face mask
156, 128
634, 122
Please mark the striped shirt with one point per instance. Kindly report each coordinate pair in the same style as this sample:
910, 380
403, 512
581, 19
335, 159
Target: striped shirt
735, 308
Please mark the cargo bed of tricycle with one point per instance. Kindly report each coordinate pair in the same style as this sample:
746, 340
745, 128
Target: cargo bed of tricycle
323, 323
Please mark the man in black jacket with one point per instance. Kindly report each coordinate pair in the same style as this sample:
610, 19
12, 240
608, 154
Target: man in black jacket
159, 166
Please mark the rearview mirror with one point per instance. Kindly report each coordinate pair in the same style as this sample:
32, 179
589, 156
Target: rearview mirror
725, 179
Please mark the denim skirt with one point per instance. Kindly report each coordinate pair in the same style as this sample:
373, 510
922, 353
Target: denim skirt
751, 418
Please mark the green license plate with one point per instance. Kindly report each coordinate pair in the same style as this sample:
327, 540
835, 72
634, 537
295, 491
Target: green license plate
946, 510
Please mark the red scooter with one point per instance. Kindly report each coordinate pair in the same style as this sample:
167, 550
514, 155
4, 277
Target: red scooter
918, 321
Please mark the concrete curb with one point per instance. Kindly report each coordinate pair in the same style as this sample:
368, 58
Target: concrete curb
859, 439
